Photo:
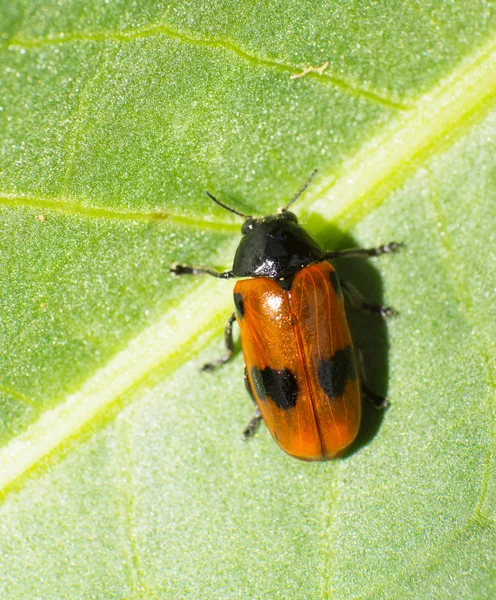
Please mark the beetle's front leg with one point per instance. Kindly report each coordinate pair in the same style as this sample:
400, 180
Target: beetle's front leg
180, 269
229, 343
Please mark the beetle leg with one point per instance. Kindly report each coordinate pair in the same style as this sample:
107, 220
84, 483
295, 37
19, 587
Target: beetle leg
365, 252
357, 301
229, 343
378, 401
248, 387
250, 429
180, 269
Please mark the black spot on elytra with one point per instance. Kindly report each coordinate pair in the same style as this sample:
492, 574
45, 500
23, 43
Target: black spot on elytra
333, 276
335, 372
279, 386
239, 304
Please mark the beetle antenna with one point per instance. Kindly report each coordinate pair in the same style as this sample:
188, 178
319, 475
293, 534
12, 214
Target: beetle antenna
233, 210
298, 194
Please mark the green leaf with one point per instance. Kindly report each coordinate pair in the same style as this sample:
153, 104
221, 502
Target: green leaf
121, 467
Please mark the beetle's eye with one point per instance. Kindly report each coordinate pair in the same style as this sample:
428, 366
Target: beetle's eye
247, 226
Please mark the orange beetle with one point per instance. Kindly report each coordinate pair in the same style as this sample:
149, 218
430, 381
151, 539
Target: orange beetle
301, 367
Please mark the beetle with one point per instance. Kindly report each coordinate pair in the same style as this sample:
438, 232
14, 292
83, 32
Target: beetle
301, 367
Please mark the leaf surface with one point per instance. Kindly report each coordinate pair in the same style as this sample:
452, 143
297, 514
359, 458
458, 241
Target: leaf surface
121, 467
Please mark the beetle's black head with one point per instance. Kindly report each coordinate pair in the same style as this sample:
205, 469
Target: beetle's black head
274, 246
252, 222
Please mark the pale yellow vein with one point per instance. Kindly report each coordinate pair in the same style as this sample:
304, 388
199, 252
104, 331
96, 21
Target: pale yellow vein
349, 87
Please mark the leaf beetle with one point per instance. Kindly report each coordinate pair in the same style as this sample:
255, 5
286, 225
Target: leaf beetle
301, 367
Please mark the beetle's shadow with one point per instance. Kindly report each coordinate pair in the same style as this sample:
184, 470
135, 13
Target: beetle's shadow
369, 331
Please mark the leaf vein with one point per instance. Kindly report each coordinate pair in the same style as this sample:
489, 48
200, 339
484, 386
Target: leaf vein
91, 212
127, 499
461, 290
19, 395
212, 42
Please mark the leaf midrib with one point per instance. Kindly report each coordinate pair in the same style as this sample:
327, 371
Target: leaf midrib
384, 162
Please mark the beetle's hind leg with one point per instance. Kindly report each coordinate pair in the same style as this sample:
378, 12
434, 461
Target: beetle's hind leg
357, 301
378, 401
250, 430
374, 398
229, 343
180, 269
